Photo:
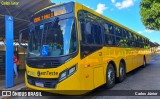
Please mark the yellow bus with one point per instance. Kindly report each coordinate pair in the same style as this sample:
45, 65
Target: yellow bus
73, 49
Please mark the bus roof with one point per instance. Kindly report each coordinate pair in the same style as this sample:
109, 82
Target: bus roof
110, 20
96, 13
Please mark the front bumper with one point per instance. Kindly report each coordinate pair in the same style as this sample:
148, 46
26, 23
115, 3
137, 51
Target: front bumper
69, 86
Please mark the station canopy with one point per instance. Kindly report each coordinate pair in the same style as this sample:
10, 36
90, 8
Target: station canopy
21, 14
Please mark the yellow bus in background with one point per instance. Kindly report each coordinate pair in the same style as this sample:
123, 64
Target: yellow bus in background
73, 49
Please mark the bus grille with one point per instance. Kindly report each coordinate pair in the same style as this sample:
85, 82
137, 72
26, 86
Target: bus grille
47, 82
43, 64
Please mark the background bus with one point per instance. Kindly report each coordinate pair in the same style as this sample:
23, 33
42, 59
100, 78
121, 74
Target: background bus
72, 47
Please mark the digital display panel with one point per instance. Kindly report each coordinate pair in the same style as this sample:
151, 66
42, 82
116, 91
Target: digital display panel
49, 15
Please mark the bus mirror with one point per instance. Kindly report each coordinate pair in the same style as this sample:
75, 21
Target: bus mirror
88, 28
22, 40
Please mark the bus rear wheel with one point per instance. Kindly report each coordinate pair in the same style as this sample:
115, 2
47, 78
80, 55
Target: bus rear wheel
110, 77
122, 72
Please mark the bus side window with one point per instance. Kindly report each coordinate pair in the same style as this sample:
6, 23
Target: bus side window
109, 39
83, 34
91, 37
88, 33
96, 32
118, 41
108, 34
118, 31
108, 28
91, 33
125, 34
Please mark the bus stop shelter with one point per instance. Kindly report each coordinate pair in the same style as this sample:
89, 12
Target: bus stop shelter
21, 14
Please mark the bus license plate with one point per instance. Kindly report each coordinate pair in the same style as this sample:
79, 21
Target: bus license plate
39, 84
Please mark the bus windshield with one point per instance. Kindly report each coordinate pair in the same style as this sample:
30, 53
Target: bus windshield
52, 39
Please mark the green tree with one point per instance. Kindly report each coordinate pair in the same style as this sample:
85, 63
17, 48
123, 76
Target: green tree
150, 14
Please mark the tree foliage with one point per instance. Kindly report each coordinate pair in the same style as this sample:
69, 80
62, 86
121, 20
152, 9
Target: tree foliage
150, 14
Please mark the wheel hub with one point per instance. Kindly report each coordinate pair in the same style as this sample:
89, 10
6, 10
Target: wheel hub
110, 75
121, 71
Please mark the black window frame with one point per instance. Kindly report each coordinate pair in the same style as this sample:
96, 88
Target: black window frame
129, 37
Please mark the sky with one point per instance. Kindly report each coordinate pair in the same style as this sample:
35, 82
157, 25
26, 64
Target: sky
125, 12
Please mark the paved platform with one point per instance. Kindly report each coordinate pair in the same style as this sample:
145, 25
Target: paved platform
18, 83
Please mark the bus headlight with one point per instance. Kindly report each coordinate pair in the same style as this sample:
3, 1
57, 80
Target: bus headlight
63, 75
67, 73
72, 70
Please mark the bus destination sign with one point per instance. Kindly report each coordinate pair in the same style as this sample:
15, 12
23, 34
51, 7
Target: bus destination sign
49, 15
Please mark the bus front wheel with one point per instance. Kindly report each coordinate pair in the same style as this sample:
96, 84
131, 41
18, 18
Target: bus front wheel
110, 76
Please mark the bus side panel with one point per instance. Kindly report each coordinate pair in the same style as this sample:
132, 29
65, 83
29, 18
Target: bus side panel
87, 76
139, 57
110, 54
98, 76
128, 60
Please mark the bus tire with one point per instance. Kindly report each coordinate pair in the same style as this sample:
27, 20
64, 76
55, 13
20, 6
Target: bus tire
122, 72
144, 62
110, 76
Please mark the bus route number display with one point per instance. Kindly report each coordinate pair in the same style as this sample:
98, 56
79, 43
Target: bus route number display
49, 15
